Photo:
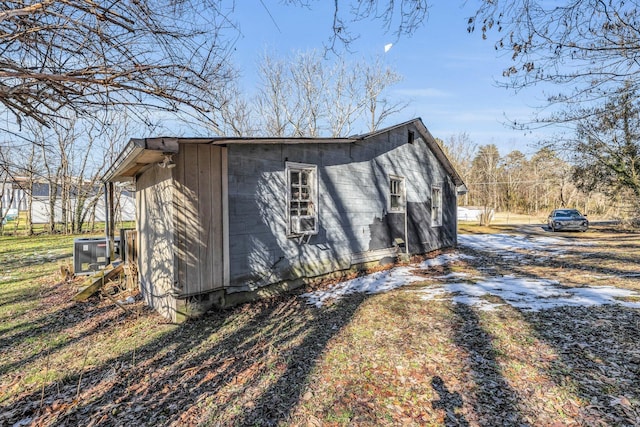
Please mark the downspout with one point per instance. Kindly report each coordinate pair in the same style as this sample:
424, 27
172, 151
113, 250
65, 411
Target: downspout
112, 224
106, 222
406, 220
109, 223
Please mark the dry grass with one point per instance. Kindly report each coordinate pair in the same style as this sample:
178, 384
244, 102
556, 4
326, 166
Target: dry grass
388, 359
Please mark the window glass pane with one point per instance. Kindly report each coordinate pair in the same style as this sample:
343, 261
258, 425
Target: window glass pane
397, 196
295, 177
436, 206
301, 194
40, 189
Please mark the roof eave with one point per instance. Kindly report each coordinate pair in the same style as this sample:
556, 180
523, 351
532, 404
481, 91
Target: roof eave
138, 155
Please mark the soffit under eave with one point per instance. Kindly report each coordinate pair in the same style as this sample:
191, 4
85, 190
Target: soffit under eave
139, 165
137, 156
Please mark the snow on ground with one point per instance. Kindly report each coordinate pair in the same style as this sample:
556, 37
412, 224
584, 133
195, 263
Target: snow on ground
527, 294
519, 247
381, 281
520, 292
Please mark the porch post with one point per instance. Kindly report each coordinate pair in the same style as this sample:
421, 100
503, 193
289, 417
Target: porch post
109, 222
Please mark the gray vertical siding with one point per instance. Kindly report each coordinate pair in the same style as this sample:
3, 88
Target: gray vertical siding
354, 217
154, 194
199, 251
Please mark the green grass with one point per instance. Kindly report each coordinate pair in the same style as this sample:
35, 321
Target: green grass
18, 227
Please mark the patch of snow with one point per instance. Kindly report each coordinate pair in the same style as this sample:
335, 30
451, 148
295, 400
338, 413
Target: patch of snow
444, 259
528, 294
381, 281
520, 292
516, 247
454, 275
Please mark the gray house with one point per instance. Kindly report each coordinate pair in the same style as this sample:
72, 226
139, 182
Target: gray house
224, 220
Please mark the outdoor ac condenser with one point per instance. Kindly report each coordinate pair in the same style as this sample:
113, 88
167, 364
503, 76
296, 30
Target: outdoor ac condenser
90, 254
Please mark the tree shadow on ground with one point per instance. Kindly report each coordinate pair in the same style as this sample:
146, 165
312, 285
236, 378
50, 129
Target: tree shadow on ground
245, 366
47, 326
598, 352
597, 347
495, 402
10, 263
585, 260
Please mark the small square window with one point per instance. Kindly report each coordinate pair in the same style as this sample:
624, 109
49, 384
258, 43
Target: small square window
396, 193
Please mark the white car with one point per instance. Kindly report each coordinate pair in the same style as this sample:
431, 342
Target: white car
567, 219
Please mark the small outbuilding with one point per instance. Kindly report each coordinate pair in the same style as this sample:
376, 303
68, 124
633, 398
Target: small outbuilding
226, 220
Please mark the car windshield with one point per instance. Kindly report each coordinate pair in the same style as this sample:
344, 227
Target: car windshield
567, 213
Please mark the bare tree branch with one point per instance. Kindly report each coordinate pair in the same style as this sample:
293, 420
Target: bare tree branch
398, 17
84, 55
586, 48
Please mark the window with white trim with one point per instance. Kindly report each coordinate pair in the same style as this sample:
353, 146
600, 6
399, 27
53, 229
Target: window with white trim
436, 206
302, 199
396, 194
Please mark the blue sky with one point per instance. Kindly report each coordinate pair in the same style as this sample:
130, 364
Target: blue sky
449, 75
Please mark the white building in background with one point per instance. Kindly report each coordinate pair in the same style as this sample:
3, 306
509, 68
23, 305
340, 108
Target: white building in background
15, 200
469, 213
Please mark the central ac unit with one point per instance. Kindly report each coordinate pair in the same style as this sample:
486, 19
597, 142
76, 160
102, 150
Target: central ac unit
304, 225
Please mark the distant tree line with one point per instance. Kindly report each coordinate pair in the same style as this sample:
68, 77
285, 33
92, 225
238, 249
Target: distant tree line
306, 95
533, 185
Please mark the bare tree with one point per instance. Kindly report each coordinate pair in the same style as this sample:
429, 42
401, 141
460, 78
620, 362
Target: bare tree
69, 161
94, 150
609, 145
234, 117
310, 82
513, 170
47, 170
552, 177
85, 55
485, 173
377, 79
461, 150
309, 96
31, 169
169, 55
273, 95
7, 195
343, 102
